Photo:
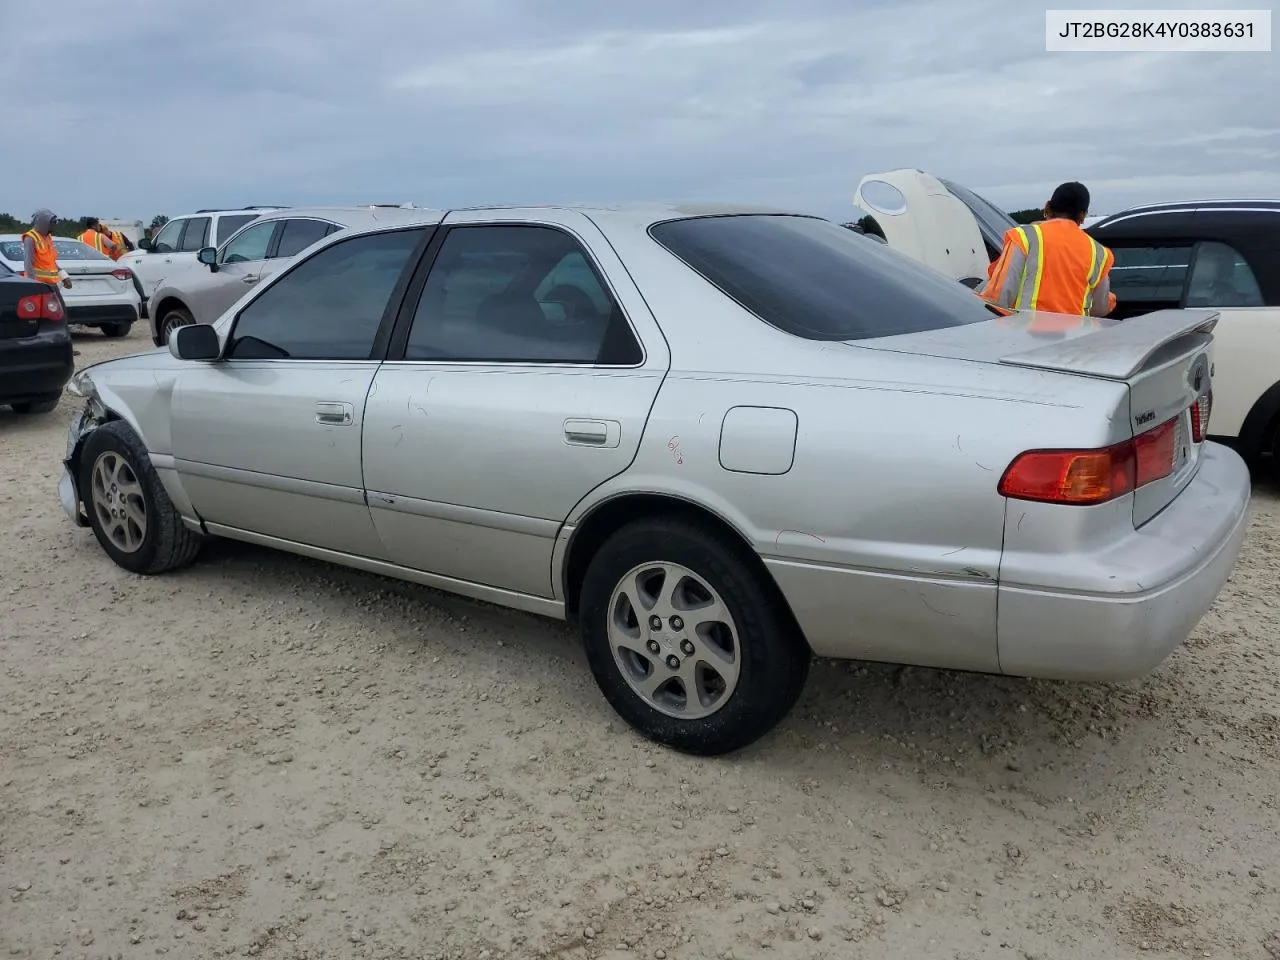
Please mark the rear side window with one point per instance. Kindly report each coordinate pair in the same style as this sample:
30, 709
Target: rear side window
1222, 278
817, 280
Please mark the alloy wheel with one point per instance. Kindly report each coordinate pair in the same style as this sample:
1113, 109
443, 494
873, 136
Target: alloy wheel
674, 640
118, 502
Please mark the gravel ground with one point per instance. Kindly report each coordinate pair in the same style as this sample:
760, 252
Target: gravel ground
271, 757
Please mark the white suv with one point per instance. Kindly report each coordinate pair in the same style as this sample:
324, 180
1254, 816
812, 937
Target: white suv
179, 240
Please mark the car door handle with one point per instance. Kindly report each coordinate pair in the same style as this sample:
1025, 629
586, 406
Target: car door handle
250, 279
335, 413
592, 433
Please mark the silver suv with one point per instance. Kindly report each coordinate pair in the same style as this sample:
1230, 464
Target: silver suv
218, 275
180, 240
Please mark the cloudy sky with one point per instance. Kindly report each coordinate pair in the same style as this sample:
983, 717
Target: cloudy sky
137, 107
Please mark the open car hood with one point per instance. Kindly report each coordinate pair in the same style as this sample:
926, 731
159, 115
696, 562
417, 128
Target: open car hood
939, 223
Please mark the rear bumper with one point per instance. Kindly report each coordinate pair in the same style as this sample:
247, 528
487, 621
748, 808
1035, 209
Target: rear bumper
95, 314
1148, 592
33, 368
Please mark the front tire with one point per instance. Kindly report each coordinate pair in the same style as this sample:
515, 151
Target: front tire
116, 330
130, 512
688, 639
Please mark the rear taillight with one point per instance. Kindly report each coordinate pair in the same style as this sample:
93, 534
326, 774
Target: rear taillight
1200, 411
43, 306
1083, 477
122, 274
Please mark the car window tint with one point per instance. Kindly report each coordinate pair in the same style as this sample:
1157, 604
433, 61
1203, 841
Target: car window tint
329, 307
1152, 274
298, 234
249, 245
814, 279
166, 241
229, 223
77, 250
1220, 277
196, 236
509, 294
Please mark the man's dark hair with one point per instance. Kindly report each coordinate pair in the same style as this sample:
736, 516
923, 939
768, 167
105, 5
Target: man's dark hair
91, 223
1070, 200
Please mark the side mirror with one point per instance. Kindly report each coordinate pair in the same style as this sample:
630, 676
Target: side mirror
197, 341
145, 244
209, 257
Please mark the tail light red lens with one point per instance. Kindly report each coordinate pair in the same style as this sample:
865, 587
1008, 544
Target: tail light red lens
122, 274
44, 306
1200, 411
1084, 477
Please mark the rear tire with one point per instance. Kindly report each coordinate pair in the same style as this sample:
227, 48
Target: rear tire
177, 317
130, 512
116, 330
689, 641
46, 405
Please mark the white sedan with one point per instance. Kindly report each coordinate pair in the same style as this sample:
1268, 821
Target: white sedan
103, 294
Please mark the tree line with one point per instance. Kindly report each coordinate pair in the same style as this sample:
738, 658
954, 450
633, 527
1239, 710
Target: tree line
66, 228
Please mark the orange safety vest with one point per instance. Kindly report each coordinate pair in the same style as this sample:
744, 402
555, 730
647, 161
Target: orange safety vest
1062, 269
118, 240
94, 239
45, 261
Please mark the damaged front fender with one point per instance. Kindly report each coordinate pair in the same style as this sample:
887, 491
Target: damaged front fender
90, 418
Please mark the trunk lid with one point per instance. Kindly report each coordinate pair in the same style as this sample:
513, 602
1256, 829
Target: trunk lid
922, 218
90, 278
1162, 357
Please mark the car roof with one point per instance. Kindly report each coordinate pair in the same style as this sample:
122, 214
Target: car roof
1191, 207
5, 237
638, 215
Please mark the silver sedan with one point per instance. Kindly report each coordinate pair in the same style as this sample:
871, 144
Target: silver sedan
720, 440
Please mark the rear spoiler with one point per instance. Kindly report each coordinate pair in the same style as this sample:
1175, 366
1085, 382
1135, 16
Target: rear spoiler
1119, 350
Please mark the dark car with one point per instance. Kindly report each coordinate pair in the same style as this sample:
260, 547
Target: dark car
1223, 255
36, 358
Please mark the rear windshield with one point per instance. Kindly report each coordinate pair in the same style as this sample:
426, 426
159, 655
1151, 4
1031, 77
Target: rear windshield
817, 280
75, 250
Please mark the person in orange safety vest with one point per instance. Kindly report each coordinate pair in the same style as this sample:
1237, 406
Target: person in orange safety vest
39, 255
96, 236
122, 245
1054, 267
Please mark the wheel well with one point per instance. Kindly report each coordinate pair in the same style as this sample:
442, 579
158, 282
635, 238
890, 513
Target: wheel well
167, 304
1259, 427
616, 513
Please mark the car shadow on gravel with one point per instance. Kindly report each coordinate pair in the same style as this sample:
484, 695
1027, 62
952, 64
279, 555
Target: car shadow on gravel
942, 724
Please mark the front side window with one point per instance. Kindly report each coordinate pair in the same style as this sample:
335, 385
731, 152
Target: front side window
817, 280
513, 294
166, 241
229, 223
196, 236
299, 233
330, 306
1220, 277
250, 245
1150, 274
